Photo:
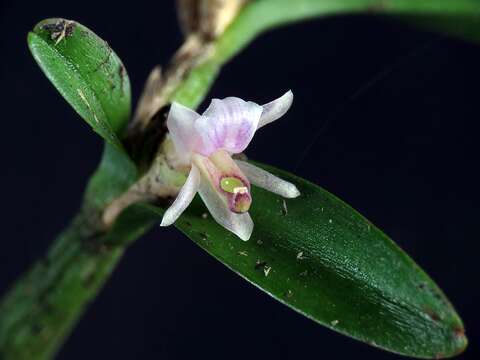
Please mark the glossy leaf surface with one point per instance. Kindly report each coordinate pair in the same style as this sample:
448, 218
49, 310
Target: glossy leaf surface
87, 73
322, 258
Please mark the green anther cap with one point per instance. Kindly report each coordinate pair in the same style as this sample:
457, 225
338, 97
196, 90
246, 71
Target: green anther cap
233, 185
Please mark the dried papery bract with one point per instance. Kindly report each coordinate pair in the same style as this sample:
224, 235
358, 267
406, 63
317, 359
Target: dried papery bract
207, 18
151, 99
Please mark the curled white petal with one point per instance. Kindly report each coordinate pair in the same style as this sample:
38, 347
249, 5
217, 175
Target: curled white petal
267, 181
184, 198
228, 124
240, 224
276, 109
181, 125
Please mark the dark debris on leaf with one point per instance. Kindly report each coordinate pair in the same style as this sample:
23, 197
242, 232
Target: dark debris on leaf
60, 29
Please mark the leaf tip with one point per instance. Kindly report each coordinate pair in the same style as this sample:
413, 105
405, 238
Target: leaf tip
460, 340
455, 342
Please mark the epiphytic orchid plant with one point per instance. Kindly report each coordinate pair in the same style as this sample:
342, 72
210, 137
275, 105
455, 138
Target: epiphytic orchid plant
204, 145
312, 252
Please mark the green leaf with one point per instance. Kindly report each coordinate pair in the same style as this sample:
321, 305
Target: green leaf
323, 259
87, 73
453, 17
114, 175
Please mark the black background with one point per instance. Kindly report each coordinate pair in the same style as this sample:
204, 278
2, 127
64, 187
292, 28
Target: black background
385, 116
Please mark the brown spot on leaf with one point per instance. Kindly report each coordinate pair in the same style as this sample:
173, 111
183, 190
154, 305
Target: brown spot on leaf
432, 315
122, 73
106, 60
459, 332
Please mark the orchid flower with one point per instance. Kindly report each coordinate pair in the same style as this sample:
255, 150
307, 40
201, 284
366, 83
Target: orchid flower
205, 143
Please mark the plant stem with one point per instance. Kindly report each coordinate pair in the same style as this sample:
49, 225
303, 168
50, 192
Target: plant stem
42, 307
40, 311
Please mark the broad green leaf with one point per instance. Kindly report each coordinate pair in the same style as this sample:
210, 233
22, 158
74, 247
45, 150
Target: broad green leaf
323, 259
87, 73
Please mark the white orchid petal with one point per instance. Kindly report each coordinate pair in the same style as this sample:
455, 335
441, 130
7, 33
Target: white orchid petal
228, 124
181, 125
267, 181
240, 224
276, 109
184, 198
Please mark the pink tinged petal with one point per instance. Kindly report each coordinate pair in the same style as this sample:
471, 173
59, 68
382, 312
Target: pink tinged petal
184, 198
267, 181
181, 125
228, 124
276, 109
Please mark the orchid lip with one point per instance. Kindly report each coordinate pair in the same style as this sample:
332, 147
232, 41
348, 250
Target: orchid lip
237, 192
239, 198
241, 202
